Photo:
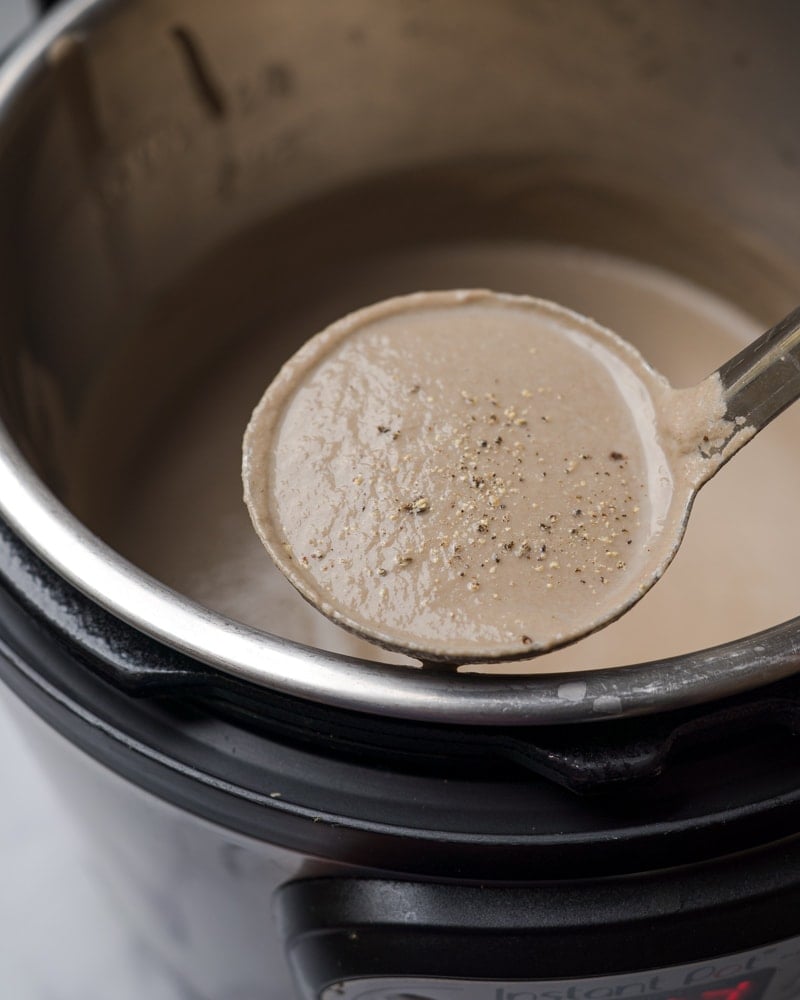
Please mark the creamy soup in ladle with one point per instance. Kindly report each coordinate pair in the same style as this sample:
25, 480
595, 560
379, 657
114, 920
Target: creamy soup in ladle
469, 476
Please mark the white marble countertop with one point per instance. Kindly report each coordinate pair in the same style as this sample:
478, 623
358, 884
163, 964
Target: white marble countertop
59, 936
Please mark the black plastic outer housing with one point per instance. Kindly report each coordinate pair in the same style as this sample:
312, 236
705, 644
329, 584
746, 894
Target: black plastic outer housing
509, 873
219, 747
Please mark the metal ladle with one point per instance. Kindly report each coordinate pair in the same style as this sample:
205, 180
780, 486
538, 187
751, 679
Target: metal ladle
692, 433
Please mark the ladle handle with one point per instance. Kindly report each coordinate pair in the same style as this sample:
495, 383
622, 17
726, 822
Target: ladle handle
763, 379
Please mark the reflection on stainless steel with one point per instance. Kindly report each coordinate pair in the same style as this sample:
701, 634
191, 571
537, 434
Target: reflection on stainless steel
764, 378
140, 155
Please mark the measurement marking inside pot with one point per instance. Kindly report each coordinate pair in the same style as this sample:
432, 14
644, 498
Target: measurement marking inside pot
200, 73
68, 61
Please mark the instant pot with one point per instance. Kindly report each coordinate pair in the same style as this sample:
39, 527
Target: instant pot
276, 820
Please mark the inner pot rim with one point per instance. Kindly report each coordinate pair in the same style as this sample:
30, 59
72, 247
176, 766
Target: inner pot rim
431, 695
95, 569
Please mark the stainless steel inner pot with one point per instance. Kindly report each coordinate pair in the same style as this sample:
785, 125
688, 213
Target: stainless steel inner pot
159, 166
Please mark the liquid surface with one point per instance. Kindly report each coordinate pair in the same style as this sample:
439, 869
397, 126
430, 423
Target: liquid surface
463, 474
180, 515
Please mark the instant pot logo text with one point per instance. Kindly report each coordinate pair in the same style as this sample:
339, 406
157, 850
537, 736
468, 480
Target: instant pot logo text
771, 972
729, 979
644, 988
735, 989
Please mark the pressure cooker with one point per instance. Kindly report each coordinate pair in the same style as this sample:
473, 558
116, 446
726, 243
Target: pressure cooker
278, 820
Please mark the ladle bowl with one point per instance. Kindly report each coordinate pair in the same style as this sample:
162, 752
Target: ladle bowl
507, 547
